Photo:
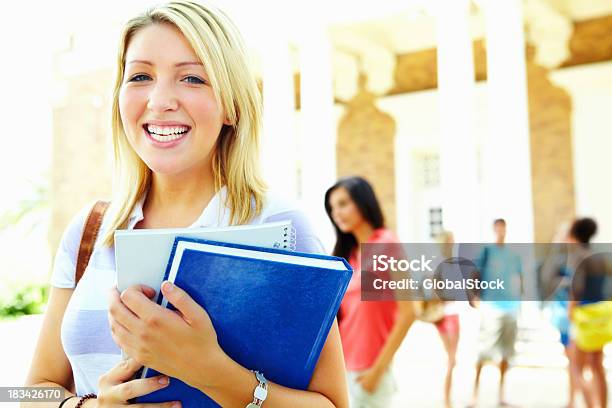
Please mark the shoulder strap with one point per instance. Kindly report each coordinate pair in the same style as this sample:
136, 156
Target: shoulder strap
88, 239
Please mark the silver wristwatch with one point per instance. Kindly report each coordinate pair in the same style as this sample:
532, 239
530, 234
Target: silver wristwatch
261, 391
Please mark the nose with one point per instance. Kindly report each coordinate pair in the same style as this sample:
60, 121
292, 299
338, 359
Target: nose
162, 98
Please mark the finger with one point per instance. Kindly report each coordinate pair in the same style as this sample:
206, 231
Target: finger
141, 386
137, 301
120, 334
191, 312
123, 371
120, 312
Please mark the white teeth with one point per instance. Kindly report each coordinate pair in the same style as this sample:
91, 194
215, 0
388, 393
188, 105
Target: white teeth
166, 130
165, 139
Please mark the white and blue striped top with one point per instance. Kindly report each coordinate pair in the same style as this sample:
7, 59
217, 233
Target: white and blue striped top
85, 331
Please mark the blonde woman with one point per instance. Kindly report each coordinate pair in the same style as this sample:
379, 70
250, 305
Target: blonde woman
186, 119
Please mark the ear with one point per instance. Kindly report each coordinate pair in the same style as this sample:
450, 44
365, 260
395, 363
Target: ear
227, 122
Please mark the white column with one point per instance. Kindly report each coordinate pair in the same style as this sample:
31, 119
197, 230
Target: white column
318, 123
458, 164
507, 161
590, 87
279, 142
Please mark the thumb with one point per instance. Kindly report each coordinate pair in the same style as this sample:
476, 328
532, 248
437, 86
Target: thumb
148, 291
191, 311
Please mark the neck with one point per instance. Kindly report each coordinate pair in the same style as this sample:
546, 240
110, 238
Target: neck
178, 200
363, 232
500, 241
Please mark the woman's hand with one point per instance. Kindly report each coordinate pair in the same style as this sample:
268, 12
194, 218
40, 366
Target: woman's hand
114, 389
181, 344
369, 380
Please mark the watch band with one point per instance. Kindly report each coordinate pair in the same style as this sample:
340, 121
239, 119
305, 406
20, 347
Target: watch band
261, 391
66, 399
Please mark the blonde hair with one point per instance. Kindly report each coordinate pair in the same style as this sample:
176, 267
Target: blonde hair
218, 44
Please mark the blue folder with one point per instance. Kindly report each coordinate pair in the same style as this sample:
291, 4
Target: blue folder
269, 315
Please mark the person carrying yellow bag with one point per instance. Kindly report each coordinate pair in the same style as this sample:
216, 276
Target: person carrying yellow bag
589, 311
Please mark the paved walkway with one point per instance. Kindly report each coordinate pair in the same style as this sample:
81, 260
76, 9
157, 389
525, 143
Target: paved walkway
419, 367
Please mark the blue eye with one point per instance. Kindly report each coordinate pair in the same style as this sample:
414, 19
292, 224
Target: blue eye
141, 76
193, 80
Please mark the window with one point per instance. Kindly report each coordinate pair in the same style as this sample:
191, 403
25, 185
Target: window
430, 170
435, 222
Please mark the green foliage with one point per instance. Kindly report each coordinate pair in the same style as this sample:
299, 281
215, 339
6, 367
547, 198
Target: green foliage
28, 214
32, 209
27, 299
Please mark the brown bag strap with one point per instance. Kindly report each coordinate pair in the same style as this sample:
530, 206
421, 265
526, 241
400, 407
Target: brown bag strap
88, 239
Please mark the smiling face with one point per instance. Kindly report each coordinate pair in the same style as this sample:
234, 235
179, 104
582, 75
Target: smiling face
344, 211
168, 109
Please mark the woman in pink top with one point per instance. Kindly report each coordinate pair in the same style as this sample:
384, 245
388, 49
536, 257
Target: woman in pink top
371, 331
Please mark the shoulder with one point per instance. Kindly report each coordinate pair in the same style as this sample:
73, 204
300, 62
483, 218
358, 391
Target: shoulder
278, 208
384, 235
65, 260
74, 229
275, 203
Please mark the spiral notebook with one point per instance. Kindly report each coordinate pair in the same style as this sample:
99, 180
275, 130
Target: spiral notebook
271, 309
141, 255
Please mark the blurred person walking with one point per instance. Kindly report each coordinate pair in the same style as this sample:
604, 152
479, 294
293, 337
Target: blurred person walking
590, 311
448, 326
499, 308
371, 331
556, 277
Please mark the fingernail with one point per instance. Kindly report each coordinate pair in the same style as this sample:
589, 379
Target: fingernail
163, 380
169, 286
176, 405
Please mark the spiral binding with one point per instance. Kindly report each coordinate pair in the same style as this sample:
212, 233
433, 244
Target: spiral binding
289, 238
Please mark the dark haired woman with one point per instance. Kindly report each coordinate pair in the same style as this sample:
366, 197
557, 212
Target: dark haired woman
371, 331
588, 309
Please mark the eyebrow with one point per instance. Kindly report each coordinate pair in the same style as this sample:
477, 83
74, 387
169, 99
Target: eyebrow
180, 64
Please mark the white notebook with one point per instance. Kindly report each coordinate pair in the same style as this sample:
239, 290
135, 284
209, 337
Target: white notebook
141, 256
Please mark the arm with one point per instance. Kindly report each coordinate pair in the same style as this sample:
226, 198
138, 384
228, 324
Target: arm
50, 366
327, 387
404, 320
521, 277
479, 264
571, 306
406, 316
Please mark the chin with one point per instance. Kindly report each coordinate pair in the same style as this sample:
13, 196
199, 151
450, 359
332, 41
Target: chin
164, 168
345, 229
